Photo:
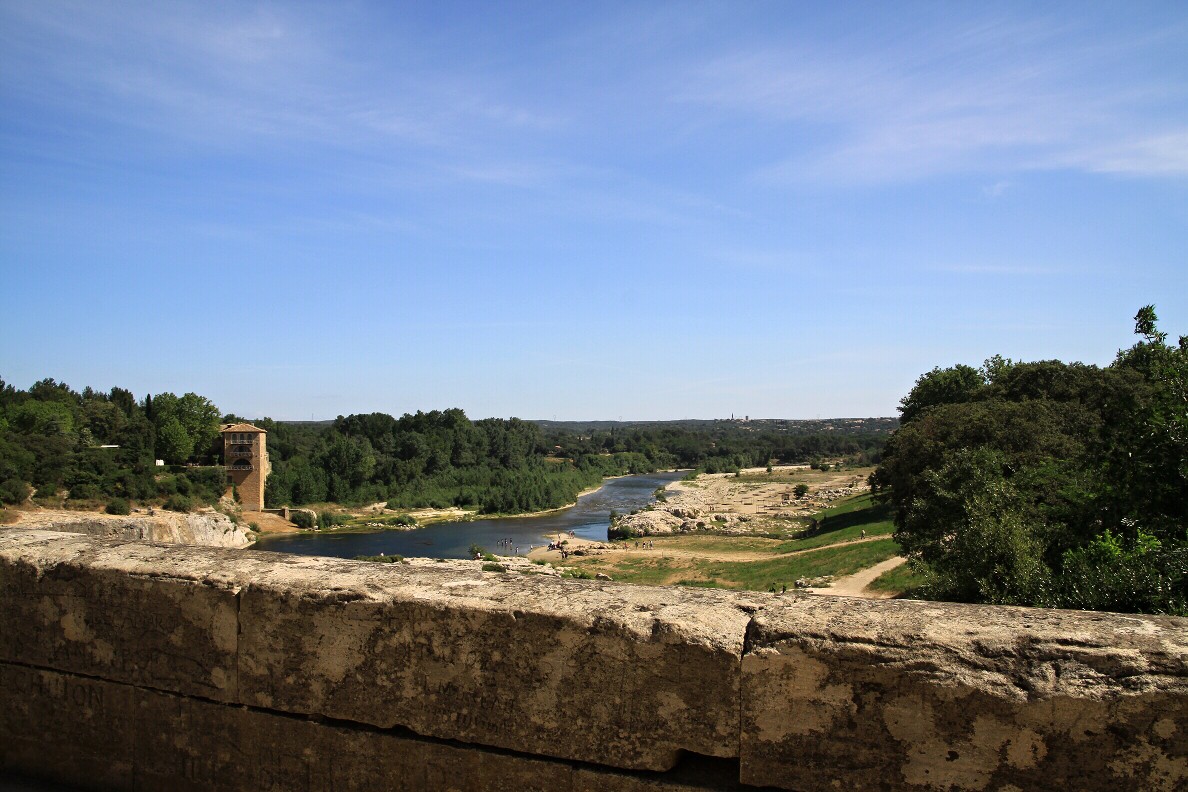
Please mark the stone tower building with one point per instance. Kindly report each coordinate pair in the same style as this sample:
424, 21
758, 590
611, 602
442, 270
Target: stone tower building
246, 457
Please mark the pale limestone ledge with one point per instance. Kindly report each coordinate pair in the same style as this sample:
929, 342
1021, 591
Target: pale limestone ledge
207, 528
808, 692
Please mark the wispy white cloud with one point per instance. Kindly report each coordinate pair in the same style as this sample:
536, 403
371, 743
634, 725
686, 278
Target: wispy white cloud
953, 103
997, 189
229, 75
1158, 155
973, 268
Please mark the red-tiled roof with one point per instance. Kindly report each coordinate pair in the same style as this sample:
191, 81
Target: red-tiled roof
242, 427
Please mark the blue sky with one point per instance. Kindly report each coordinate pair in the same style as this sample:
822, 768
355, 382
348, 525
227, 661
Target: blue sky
583, 210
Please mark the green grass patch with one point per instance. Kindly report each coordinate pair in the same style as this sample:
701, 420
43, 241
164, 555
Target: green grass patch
838, 561
844, 522
835, 561
656, 571
711, 543
902, 580
852, 504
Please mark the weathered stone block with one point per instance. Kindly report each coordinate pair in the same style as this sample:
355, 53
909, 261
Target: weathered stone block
606, 673
66, 728
196, 746
853, 694
97, 734
153, 615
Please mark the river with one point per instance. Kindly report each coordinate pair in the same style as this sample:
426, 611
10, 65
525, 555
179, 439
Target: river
589, 519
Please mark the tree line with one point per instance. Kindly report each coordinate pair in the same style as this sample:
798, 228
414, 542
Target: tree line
93, 445
725, 447
433, 459
1048, 483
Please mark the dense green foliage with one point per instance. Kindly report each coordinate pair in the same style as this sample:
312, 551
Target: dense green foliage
303, 519
52, 438
436, 459
1049, 483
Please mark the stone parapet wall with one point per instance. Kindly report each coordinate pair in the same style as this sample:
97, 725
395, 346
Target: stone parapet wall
132, 665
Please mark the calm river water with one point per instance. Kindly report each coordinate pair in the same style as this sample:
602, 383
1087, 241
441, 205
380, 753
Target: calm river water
588, 519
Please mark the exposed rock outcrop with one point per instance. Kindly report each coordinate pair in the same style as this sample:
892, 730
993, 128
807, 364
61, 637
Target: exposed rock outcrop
648, 522
206, 528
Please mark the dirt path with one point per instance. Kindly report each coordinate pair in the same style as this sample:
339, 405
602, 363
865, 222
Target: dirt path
855, 585
269, 523
628, 550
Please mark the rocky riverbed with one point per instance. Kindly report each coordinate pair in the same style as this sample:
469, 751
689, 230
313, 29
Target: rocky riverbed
739, 505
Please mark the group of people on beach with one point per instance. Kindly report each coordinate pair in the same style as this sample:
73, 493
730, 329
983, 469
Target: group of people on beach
508, 544
560, 543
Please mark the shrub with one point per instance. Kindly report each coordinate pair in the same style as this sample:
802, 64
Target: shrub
328, 519
86, 491
118, 506
491, 566
382, 559
14, 491
302, 519
179, 503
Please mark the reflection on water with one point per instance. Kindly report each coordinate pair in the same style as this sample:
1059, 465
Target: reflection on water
588, 519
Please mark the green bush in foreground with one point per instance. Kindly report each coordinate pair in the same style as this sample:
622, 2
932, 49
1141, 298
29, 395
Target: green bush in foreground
302, 519
118, 506
179, 503
14, 491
